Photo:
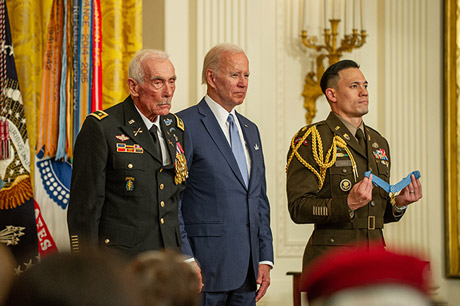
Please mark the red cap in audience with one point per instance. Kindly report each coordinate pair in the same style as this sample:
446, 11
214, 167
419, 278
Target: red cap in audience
348, 268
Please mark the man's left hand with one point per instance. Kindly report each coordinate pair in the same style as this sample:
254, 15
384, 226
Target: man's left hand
263, 279
411, 193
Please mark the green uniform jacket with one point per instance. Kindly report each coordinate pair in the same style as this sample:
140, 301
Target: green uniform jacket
121, 195
327, 208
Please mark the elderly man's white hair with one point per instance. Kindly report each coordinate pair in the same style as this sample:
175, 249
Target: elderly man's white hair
213, 57
135, 70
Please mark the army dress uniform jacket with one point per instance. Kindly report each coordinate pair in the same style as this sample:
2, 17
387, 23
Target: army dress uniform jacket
121, 195
327, 208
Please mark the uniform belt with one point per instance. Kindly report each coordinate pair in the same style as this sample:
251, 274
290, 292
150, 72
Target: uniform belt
370, 223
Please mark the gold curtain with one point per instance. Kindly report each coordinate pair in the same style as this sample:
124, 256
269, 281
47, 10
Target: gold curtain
121, 38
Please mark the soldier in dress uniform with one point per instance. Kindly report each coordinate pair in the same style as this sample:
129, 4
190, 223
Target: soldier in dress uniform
326, 163
129, 166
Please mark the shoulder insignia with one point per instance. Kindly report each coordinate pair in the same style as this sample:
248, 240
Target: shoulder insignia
180, 123
99, 114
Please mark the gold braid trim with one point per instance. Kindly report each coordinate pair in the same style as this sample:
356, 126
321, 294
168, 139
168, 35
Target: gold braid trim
324, 163
19, 192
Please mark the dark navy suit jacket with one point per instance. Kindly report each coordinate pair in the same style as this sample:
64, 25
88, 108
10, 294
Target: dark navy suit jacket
227, 225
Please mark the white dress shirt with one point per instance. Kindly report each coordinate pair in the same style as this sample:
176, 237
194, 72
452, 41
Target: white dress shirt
166, 159
221, 115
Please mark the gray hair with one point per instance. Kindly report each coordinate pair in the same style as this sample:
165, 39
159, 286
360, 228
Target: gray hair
135, 70
213, 58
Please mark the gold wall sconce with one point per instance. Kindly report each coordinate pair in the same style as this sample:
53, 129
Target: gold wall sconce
333, 51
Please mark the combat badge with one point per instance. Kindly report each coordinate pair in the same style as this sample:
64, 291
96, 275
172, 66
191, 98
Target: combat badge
180, 165
168, 121
122, 137
129, 183
345, 185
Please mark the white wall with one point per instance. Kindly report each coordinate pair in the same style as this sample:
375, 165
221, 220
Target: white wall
402, 60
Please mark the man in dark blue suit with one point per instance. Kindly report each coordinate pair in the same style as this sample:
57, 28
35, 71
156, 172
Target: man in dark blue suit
225, 208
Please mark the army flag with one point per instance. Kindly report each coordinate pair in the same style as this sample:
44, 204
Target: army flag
71, 89
17, 219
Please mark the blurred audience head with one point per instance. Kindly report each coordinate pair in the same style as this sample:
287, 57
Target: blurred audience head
6, 271
163, 278
367, 276
65, 279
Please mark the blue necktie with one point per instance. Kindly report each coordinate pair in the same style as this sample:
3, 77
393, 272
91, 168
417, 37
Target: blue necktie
237, 148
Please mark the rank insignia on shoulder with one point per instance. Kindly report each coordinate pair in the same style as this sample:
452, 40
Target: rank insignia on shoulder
129, 183
180, 123
305, 142
122, 137
99, 114
135, 148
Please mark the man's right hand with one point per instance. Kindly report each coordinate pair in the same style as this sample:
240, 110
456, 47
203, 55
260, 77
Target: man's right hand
360, 194
198, 274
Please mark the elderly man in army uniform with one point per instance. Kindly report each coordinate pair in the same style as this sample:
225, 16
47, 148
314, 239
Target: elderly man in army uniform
129, 167
326, 164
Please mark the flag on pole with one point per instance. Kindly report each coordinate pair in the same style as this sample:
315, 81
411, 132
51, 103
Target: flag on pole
17, 219
71, 89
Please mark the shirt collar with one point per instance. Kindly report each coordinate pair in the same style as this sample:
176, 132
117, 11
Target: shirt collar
219, 112
147, 122
350, 126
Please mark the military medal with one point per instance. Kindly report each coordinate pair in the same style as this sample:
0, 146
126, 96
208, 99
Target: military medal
180, 165
122, 147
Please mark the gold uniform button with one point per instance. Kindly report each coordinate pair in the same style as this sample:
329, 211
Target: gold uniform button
161, 170
162, 204
107, 241
130, 166
162, 186
162, 221
331, 240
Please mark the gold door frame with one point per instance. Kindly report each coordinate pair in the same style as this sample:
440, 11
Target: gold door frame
451, 136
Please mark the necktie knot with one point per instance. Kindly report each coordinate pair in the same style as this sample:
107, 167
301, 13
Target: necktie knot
230, 118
